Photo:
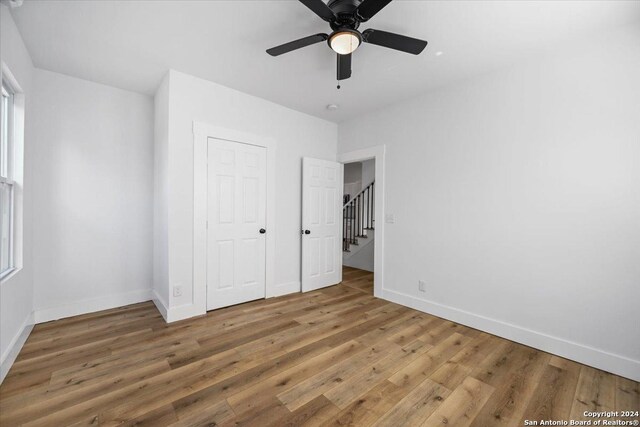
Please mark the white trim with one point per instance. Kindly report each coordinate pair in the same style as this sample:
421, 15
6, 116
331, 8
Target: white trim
7, 76
377, 153
16, 171
15, 346
597, 358
201, 133
12, 120
92, 305
160, 304
184, 311
7, 273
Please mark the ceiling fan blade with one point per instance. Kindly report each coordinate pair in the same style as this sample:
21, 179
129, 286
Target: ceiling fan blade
344, 66
368, 8
297, 44
320, 8
394, 41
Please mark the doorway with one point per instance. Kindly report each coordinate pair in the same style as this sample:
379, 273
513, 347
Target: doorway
358, 215
364, 220
252, 152
324, 249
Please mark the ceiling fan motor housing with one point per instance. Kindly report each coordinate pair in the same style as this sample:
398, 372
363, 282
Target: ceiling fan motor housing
345, 12
343, 6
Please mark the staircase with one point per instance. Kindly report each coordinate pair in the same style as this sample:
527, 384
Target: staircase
358, 219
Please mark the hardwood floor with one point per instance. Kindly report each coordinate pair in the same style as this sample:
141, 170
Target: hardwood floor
357, 279
332, 357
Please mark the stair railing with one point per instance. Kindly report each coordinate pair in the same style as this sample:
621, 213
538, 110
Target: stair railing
358, 215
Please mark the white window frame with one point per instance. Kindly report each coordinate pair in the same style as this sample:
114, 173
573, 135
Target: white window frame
7, 175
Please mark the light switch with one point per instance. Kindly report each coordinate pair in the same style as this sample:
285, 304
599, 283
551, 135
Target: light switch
389, 218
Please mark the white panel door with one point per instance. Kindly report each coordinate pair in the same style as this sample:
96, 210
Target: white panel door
322, 189
236, 215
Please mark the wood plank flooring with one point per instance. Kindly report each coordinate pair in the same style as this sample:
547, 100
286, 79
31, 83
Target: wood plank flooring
333, 357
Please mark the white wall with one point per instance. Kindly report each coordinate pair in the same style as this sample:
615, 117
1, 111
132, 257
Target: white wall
516, 198
358, 175
16, 291
93, 201
362, 256
161, 196
296, 134
352, 178
368, 172
353, 172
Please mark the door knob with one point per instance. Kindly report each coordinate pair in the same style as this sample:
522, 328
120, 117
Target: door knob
307, 231
262, 231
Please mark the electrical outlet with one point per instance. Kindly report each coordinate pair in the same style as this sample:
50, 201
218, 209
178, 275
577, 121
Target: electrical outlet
177, 291
422, 286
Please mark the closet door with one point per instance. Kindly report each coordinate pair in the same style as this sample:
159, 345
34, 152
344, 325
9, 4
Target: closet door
236, 243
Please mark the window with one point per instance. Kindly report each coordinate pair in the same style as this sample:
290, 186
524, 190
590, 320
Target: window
6, 180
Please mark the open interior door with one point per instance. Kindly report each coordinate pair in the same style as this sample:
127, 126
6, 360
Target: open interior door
322, 188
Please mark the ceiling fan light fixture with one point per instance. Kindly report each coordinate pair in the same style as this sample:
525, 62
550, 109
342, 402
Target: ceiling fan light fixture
344, 18
345, 41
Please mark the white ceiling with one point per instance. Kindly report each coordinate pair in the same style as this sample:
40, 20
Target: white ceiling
131, 44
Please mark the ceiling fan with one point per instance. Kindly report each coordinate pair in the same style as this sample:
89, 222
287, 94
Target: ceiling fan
344, 17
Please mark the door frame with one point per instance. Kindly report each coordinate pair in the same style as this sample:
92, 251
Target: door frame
378, 154
201, 134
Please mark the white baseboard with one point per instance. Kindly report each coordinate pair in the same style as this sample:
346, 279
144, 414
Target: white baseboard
15, 346
597, 358
186, 311
92, 305
284, 289
161, 304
